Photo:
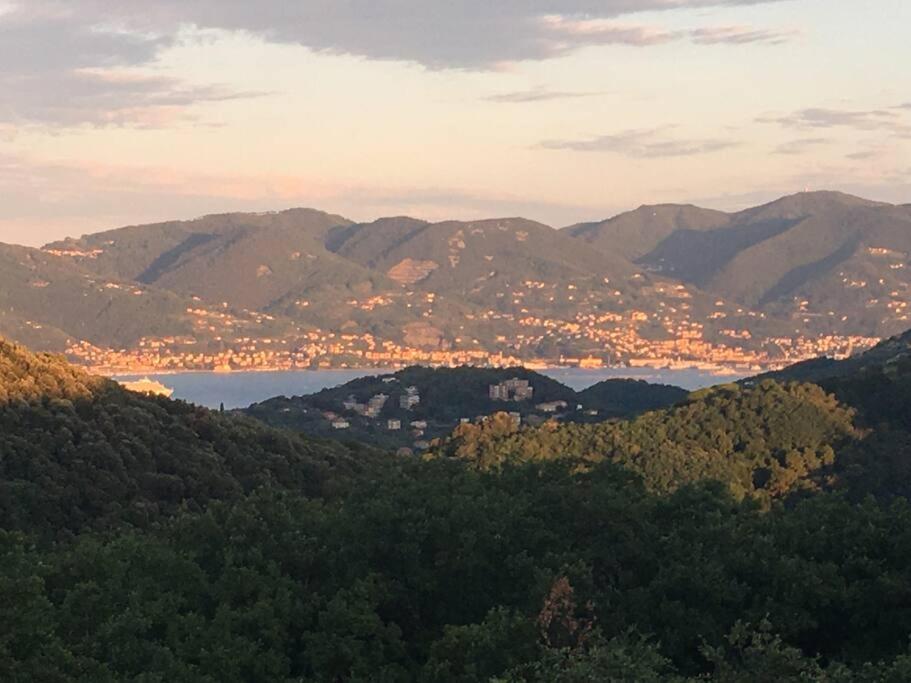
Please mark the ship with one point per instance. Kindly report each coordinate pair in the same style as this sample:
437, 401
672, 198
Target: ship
148, 386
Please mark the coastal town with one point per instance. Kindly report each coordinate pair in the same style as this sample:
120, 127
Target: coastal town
620, 347
640, 322
482, 309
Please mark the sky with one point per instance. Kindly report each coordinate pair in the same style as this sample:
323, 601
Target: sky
126, 112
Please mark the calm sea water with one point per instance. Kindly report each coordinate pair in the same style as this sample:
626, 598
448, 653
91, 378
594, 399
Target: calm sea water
238, 390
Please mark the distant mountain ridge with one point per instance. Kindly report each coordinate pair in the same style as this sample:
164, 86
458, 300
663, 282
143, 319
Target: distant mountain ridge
759, 255
658, 285
636, 233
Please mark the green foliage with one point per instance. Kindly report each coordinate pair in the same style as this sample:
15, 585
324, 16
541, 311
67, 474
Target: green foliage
431, 571
78, 451
877, 384
147, 540
478, 652
30, 649
628, 397
27, 377
626, 657
769, 440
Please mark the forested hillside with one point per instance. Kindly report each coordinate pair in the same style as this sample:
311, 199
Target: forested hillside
145, 539
877, 384
446, 396
78, 451
767, 441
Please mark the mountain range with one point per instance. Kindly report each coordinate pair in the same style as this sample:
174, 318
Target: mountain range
810, 274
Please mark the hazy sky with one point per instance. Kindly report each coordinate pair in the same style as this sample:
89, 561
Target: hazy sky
126, 111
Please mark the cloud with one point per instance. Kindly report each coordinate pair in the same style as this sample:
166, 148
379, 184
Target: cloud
563, 34
800, 146
57, 70
434, 33
102, 98
50, 48
872, 120
537, 95
642, 144
741, 35
864, 154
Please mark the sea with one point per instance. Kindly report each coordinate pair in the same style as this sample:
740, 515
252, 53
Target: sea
241, 389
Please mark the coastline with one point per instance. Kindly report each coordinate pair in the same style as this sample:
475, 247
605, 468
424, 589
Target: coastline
707, 368
243, 388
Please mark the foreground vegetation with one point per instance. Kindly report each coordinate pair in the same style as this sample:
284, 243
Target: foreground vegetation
736, 537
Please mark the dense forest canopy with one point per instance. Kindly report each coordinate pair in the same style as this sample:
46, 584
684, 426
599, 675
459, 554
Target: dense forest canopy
26, 376
79, 451
768, 440
436, 572
748, 534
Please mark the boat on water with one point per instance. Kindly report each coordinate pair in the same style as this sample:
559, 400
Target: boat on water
148, 386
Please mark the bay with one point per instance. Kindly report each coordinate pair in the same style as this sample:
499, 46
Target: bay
241, 389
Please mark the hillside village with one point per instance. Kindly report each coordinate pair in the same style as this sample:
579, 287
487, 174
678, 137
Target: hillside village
417, 405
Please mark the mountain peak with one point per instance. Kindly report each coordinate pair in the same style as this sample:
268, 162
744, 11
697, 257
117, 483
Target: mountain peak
635, 233
813, 202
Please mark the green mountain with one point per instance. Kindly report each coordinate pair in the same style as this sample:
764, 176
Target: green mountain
470, 257
446, 396
637, 233
147, 253
78, 451
48, 299
267, 262
767, 441
815, 256
822, 254
627, 397
877, 384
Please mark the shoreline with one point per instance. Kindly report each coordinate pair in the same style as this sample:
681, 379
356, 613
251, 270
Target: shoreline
717, 371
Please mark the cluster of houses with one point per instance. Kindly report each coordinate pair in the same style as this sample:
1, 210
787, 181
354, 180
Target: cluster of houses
514, 389
369, 409
374, 406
